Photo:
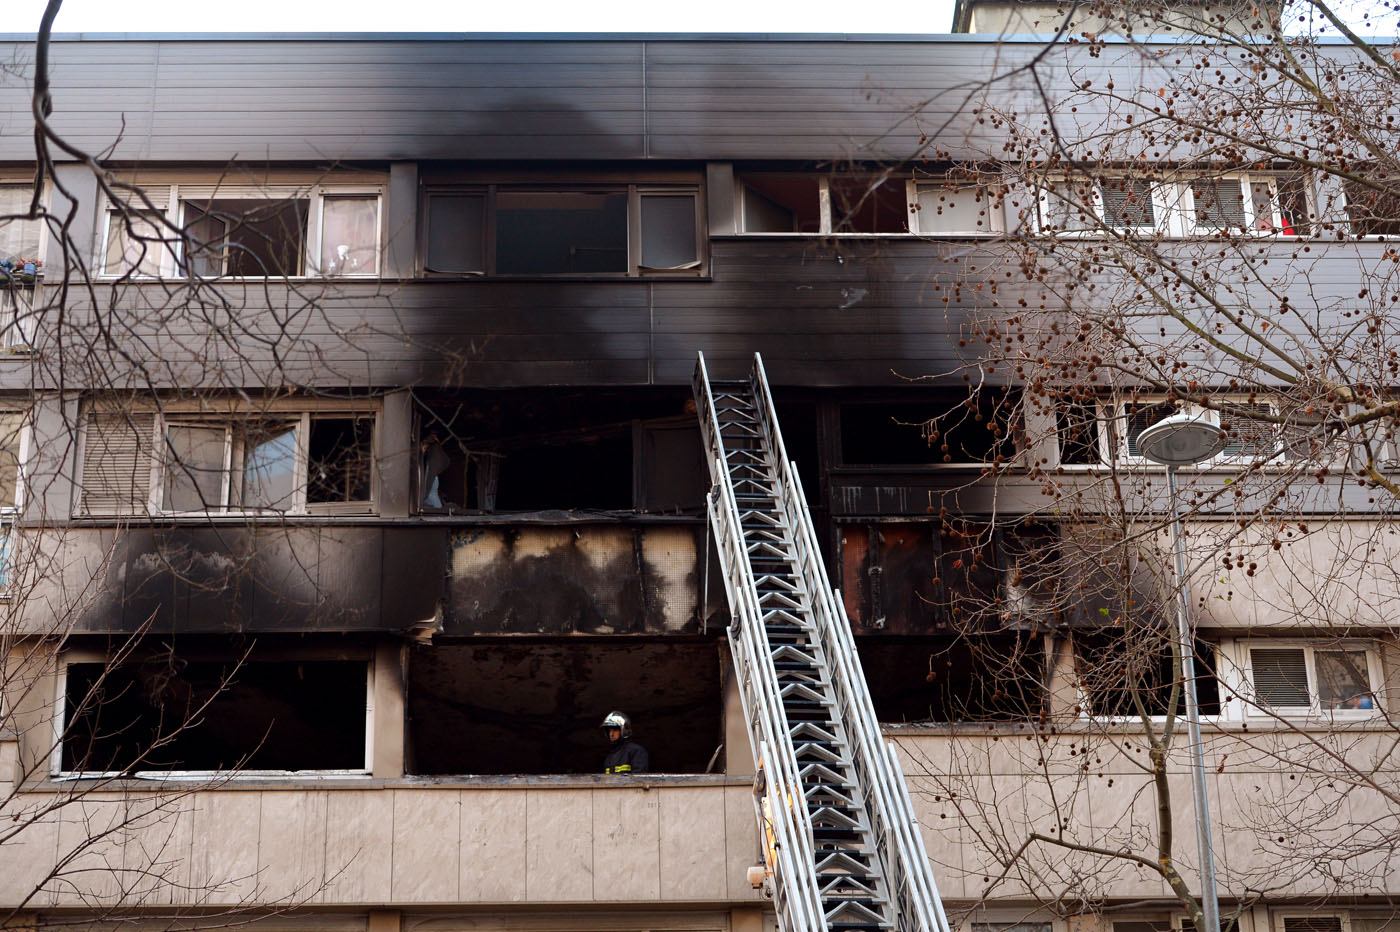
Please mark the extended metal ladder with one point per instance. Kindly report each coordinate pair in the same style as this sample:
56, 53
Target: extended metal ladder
842, 847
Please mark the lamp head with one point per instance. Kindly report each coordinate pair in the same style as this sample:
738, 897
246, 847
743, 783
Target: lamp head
1181, 440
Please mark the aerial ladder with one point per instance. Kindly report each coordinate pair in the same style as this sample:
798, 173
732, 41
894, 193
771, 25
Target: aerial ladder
842, 848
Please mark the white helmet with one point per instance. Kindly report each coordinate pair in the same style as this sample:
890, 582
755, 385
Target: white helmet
618, 720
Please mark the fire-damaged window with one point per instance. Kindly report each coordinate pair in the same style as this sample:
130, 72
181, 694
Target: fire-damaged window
593, 230
955, 678
521, 706
135, 459
560, 450
1131, 670
918, 577
839, 204
931, 429
161, 710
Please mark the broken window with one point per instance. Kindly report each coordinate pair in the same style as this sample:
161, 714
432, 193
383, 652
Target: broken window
1120, 669
1373, 209
938, 429
241, 230
162, 711
561, 450
975, 678
290, 461
827, 204
1077, 429
532, 705
624, 230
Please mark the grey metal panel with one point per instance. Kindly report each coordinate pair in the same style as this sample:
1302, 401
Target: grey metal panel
401, 221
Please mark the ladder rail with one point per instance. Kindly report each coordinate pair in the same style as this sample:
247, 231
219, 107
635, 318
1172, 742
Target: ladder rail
887, 800
793, 847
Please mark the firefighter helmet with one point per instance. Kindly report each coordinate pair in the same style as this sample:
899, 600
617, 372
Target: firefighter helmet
620, 721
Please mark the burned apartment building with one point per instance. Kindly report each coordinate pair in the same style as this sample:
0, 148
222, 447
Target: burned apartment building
358, 473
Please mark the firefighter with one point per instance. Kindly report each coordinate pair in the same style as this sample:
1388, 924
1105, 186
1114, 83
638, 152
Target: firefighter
625, 755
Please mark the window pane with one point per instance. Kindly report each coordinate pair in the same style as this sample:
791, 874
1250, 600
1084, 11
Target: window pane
1069, 206
11, 424
339, 453
207, 236
668, 231
1219, 204
19, 239
264, 236
133, 242
1294, 214
349, 235
1248, 439
539, 233
1141, 416
1127, 204
1372, 211
269, 466
456, 233
1280, 677
953, 209
1342, 682
194, 469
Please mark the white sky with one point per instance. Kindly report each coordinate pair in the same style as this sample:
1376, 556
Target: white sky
712, 16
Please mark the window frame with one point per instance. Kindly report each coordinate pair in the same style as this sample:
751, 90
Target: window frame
996, 212
825, 222
1186, 199
1238, 682
171, 198
1278, 917
1343, 202
17, 301
634, 190
1087, 714
1111, 428
1160, 197
84, 655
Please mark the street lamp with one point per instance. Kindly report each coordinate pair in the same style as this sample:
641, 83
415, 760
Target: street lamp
1175, 441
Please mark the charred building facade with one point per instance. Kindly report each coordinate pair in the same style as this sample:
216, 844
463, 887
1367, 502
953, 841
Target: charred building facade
355, 475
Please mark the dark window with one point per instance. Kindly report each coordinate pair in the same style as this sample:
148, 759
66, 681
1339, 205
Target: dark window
1077, 428
456, 234
954, 679
246, 236
340, 451
592, 470
166, 713
1373, 211
1139, 416
533, 705
869, 205
1120, 668
974, 429
782, 204
561, 232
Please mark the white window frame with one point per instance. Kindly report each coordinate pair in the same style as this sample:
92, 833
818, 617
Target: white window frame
60, 710
300, 479
170, 200
826, 225
10, 511
1187, 199
1160, 195
1112, 423
996, 210
1236, 675
1277, 917
1345, 217
17, 304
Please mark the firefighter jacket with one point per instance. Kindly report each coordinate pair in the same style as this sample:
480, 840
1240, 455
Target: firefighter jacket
626, 756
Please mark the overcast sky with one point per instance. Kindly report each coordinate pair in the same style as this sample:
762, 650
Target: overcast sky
825, 16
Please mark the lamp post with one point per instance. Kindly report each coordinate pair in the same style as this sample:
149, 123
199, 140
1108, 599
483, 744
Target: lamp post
1173, 442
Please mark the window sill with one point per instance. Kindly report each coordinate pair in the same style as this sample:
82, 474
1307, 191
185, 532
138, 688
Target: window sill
1376, 722
328, 780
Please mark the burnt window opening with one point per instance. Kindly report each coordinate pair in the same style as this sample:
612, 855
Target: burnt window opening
561, 232
1077, 428
978, 678
561, 450
797, 420
164, 712
781, 203
1118, 669
533, 705
246, 236
838, 204
340, 456
1373, 209
921, 577
876, 204
974, 429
